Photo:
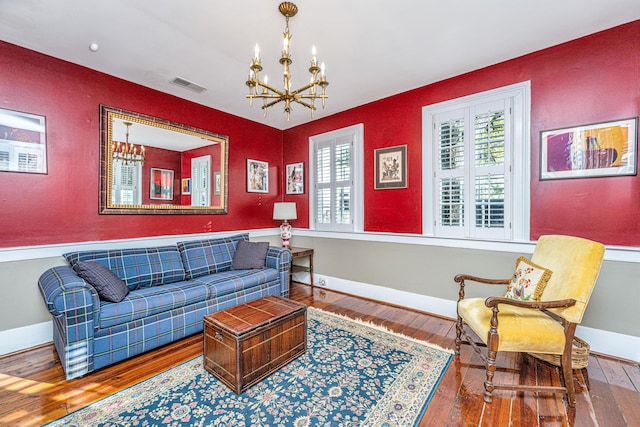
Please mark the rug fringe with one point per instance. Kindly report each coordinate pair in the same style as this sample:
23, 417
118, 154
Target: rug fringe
381, 328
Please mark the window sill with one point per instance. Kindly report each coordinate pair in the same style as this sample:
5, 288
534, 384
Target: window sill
613, 253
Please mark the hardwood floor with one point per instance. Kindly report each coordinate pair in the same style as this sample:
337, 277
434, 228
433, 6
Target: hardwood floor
33, 390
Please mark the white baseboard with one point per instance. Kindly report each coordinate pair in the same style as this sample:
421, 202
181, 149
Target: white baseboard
600, 341
25, 337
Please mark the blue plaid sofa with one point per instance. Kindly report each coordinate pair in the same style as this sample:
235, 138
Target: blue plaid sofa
171, 289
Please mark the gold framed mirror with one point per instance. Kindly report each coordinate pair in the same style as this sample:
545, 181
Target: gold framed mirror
154, 166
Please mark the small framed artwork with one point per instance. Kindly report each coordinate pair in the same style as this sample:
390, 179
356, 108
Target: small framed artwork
161, 184
295, 178
23, 145
186, 186
216, 183
598, 149
390, 167
257, 176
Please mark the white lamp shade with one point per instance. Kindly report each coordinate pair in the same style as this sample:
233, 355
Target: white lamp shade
285, 210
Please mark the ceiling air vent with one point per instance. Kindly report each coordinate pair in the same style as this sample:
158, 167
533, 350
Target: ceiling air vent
188, 85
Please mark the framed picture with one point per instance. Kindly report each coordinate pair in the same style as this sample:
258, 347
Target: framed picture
295, 178
599, 149
391, 167
161, 184
257, 176
23, 144
186, 186
217, 182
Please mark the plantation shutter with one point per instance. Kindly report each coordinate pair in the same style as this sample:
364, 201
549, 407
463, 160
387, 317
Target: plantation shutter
449, 173
471, 171
125, 184
333, 184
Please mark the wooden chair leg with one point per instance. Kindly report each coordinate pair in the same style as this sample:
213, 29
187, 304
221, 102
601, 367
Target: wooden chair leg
585, 376
458, 335
567, 377
491, 370
492, 350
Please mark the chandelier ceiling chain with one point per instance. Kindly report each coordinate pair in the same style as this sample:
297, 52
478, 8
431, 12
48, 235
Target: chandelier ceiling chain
270, 96
127, 152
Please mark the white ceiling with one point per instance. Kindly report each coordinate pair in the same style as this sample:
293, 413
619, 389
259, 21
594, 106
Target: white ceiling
372, 48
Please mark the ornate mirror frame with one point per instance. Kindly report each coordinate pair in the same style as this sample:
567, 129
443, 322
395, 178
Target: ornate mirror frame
107, 117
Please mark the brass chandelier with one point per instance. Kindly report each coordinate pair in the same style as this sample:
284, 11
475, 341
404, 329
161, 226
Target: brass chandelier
270, 96
127, 152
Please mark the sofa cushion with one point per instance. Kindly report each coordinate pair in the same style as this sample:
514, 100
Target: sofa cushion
202, 257
150, 301
250, 255
138, 267
109, 286
229, 282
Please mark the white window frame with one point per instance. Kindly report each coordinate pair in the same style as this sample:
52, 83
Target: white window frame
137, 177
519, 96
356, 132
201, 185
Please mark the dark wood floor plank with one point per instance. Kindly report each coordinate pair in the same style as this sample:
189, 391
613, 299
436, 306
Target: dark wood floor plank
499, 410
468, 406
33, 390
633, 372
551, 407
622, 388
605, 407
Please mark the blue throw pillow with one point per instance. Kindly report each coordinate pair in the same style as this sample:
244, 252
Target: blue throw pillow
250, 255
109, 286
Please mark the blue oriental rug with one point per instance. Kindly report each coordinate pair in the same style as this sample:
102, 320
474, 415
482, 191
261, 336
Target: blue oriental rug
353, 374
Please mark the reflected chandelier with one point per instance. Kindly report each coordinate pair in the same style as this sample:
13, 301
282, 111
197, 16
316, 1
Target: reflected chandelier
270, 95
127, 152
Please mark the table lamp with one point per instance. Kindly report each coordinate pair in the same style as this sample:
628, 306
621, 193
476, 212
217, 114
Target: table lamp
285, 211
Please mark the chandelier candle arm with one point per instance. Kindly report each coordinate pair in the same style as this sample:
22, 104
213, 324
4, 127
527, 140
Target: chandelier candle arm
127, 152
288, 10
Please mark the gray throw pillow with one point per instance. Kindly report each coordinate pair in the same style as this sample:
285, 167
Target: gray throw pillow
250, 255
109, 286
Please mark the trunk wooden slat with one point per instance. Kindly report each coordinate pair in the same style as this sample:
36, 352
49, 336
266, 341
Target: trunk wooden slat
246, 343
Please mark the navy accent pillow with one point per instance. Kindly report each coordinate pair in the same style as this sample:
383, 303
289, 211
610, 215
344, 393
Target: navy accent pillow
250, 255
109, 286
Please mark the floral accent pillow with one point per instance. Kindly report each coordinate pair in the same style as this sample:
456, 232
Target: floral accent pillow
528, 281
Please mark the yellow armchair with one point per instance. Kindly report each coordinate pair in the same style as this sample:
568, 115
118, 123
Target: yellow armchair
545, 326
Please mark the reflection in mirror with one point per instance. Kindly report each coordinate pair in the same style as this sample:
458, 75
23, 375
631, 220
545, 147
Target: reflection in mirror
153, 166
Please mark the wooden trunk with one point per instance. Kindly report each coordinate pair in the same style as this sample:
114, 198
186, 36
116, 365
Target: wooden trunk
246, 343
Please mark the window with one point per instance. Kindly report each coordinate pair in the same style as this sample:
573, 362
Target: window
201, 181
476, 165
126, 183
336, 180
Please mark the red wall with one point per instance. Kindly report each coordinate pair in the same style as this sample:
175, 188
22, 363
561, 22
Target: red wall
588, 80
592, 79
62, 206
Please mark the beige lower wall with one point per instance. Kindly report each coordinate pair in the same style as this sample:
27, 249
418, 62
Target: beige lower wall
429, 270
420, 269
21, 303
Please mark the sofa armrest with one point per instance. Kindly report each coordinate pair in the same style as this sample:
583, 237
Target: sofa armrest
75, 307
280, 259
67, 294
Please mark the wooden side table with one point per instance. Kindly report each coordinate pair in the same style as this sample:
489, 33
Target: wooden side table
301, 253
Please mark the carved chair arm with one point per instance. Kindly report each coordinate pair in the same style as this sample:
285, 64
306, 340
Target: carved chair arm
538, 305
460, 278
